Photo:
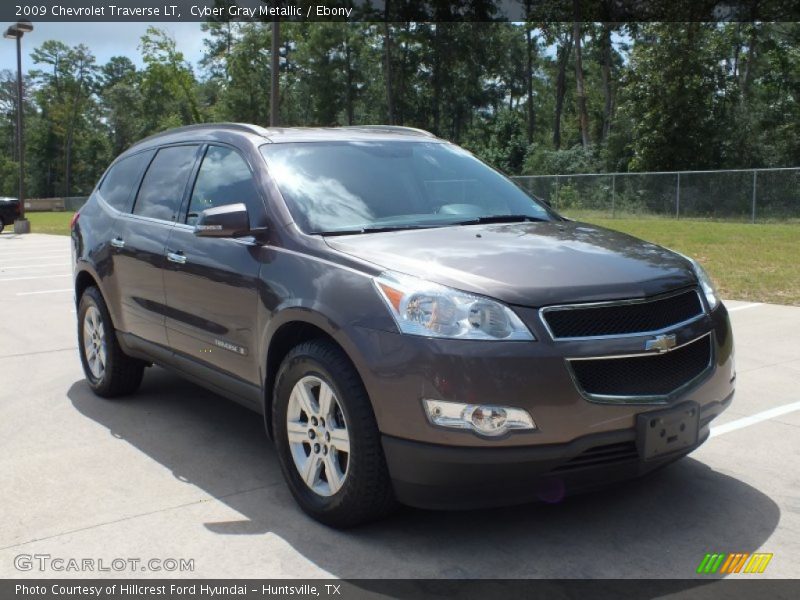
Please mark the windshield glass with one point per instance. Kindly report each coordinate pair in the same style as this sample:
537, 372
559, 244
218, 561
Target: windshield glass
340, 187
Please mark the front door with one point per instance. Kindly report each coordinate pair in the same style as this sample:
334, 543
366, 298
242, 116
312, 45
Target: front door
210, 283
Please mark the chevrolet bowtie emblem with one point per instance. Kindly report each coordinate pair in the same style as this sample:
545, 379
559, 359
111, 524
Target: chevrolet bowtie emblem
661, 343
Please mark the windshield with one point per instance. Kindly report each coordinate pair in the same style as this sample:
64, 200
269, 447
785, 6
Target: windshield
362, 186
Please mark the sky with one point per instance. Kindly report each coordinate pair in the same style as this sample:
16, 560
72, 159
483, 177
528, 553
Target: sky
103, 39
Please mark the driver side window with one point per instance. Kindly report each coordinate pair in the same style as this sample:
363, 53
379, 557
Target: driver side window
224, 178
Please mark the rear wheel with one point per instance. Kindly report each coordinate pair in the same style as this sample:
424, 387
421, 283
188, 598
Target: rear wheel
327, 439
109, 371
2, 225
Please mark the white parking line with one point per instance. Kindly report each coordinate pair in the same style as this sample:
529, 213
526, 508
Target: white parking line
756, 418
41, 256
44, 292
35, 266
34, 277
17, 251
746, 306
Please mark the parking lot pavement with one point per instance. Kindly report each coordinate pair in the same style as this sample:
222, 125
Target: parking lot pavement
176, 472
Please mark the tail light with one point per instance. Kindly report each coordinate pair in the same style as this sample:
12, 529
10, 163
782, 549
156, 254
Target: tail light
17, 209
74, 220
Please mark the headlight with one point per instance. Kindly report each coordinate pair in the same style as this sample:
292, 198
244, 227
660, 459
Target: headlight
705, 284
428, 309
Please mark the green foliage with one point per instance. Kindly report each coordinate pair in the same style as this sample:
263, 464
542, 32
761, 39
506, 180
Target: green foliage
168, 84
62, 138
543, 161
659, 96
500, 140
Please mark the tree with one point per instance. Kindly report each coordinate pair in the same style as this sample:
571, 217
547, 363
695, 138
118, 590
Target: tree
675, 97
580, 85
562, 36
65, 95
119, 86
168, 83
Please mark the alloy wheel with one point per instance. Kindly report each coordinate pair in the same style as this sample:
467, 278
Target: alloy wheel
94, 342
318, 436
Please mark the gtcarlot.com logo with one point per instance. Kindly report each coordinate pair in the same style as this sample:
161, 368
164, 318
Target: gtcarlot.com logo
734, 562
47, 562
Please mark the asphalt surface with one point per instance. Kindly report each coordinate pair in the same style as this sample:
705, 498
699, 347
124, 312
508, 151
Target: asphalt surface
177, 472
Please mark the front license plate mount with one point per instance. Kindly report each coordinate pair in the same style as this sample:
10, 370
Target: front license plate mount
664, 432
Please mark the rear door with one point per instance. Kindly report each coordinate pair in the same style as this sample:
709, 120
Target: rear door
211, 283
114, 199
140, 239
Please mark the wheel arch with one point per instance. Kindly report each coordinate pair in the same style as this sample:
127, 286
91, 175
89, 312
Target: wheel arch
294, 327
83, 280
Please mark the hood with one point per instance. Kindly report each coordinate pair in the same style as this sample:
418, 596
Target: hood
528, 264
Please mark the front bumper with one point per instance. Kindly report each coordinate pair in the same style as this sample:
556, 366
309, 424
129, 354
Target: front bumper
579, 443
447, 477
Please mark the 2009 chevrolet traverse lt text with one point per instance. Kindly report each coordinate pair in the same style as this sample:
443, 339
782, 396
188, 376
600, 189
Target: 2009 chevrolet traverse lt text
412, 326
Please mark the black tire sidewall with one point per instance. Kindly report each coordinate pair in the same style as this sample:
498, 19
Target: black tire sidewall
367, 492
122, 374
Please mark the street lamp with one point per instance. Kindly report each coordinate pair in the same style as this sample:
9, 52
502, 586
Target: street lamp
15, 32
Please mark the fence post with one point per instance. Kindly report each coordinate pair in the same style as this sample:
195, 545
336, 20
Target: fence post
613, 196
755, 181
556, 203
678, 198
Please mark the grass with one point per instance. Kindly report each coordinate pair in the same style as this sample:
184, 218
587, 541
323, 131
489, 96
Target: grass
50, 222
758, 263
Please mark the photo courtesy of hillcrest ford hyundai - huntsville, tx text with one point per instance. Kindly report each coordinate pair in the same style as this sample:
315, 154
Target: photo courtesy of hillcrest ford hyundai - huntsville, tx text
411, 325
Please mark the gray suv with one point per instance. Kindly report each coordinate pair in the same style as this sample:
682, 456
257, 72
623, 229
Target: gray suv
411, 325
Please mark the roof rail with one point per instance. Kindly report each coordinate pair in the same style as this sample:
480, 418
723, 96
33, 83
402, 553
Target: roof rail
245, 127
393, 129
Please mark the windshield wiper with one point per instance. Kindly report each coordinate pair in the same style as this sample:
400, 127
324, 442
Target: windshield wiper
501, 219
373, 229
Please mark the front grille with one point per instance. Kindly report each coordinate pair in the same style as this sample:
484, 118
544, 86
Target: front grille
645, 375
599, 456
621, 318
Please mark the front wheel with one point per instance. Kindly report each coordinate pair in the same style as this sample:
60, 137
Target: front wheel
109, 371
326, 437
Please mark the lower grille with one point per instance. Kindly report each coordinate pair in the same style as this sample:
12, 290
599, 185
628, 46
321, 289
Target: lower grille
645, 375
599, 456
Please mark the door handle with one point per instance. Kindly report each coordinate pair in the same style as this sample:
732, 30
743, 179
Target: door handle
176, 257
118, 242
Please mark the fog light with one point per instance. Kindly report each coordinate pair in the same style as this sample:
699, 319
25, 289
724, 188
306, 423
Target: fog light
481, 418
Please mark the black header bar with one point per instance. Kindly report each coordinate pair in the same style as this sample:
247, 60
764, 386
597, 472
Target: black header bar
400, 10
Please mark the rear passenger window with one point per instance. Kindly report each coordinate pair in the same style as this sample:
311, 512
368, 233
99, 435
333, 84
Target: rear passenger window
162, 187
123, 178
224, 178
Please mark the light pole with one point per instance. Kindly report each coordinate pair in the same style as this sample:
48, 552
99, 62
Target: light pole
275, 97
15, 32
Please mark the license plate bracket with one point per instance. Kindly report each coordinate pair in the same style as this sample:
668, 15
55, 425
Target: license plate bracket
664, 432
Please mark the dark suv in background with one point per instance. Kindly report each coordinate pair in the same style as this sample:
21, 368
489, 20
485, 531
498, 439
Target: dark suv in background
412, 326
9, 212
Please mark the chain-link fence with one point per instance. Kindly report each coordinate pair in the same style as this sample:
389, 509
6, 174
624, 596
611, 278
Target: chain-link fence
741, 195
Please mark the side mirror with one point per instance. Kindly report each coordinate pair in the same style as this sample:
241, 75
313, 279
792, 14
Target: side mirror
230, 220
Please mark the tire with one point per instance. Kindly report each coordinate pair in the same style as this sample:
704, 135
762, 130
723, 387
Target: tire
2, 224
361, 489
120, 374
